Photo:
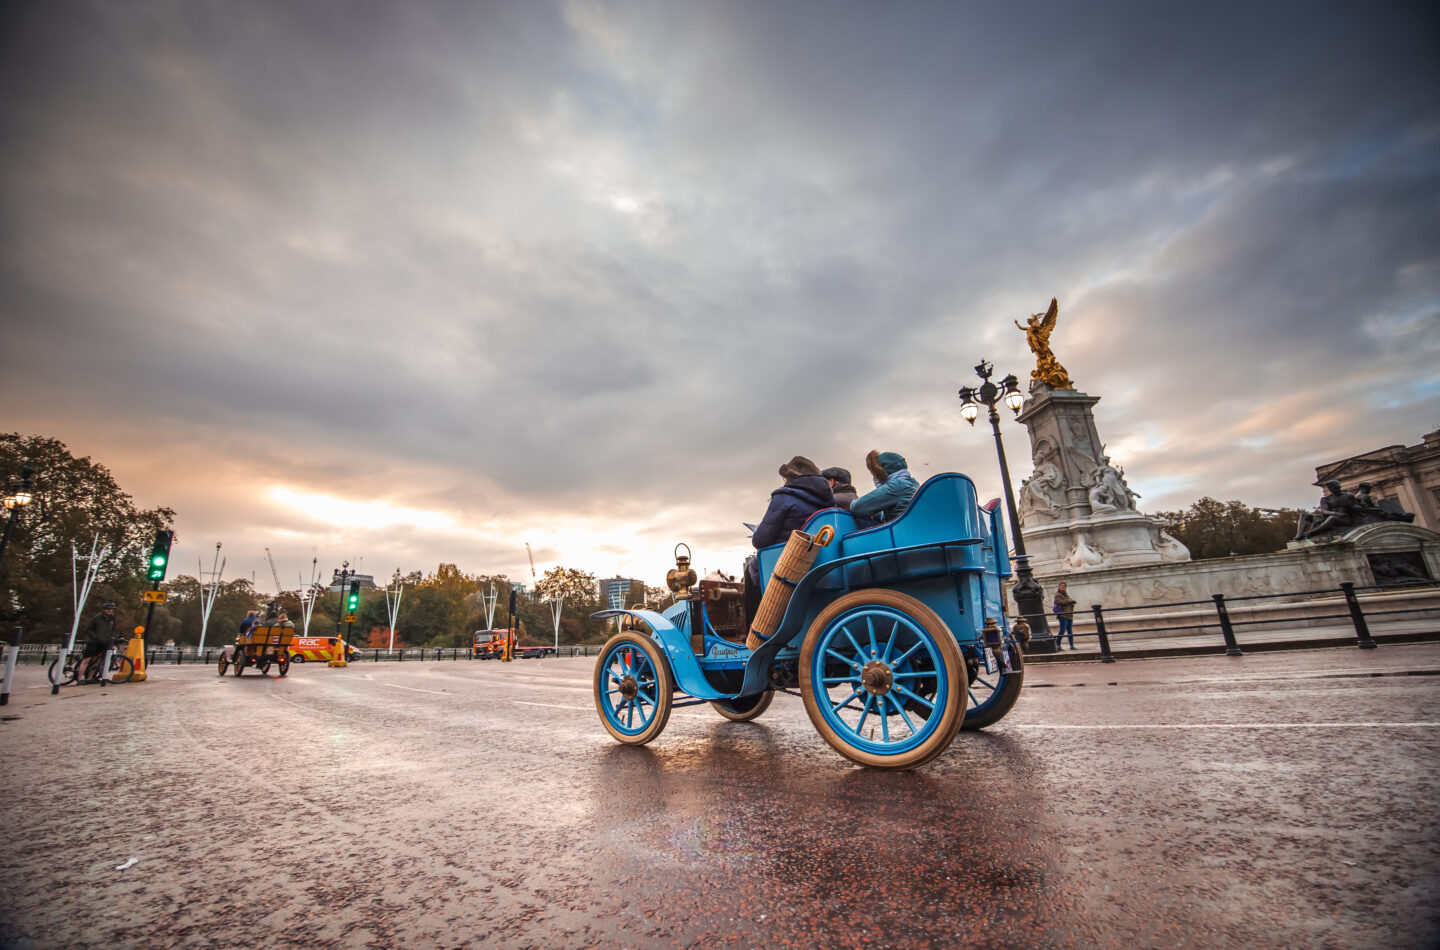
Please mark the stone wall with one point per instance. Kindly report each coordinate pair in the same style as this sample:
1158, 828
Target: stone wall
1303, 568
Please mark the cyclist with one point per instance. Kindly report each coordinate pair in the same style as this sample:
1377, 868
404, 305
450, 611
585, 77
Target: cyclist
99, 633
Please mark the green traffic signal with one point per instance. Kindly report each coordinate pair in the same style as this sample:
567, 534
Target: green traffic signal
159, 555
352, 602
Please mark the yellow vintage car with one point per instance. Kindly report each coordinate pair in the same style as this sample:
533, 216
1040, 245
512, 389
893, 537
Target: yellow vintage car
260, 647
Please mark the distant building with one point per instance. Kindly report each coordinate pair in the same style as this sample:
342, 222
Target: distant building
1406, 474
366, 580
615, 590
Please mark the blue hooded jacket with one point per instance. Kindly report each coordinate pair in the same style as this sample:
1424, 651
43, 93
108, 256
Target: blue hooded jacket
891, 497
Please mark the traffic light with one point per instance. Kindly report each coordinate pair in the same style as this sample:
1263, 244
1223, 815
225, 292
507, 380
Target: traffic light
352, 600
159, 555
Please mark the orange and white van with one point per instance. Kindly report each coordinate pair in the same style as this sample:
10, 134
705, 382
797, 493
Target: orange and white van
317, 650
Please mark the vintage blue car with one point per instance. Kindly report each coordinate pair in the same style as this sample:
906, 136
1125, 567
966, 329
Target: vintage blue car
896, 638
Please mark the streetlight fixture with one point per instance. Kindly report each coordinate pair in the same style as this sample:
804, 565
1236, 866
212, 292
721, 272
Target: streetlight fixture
18, 495
1029, 596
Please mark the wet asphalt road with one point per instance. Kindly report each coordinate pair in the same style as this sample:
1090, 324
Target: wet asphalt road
1274, 800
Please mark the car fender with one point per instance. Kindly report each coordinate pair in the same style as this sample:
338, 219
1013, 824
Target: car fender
684, 665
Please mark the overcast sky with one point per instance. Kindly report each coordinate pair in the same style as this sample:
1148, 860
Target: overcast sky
422, 282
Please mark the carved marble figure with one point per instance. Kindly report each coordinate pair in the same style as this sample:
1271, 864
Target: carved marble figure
1037, 333
1083, 555
1043, 491
1171, 548
1108, 491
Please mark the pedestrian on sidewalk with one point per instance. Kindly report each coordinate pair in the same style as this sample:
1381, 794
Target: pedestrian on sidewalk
1064, 609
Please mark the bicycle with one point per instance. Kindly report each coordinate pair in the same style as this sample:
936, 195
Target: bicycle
121, 666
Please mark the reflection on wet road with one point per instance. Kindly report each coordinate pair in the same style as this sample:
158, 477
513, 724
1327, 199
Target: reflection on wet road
1273, 800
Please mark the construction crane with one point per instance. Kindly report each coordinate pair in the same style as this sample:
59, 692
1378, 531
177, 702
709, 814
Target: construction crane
532, 563
273, 573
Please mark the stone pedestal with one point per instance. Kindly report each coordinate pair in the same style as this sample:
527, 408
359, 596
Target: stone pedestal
1077, 513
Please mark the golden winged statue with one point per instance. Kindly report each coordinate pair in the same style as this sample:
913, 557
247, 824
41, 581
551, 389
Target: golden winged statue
1037, 333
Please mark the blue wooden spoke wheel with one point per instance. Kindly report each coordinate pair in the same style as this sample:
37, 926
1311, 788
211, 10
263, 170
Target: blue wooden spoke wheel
991, 691
882, 679
745, 708
633, 688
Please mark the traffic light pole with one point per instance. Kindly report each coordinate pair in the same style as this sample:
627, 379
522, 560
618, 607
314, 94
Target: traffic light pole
149, 611
155, 573
338, 658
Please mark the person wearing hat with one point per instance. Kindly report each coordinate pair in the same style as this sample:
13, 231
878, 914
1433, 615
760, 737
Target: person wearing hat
805, 492
840, 487
791, 505
98, 634
894, 487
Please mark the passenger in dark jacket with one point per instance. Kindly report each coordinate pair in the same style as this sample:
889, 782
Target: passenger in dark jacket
791, 505
840, 486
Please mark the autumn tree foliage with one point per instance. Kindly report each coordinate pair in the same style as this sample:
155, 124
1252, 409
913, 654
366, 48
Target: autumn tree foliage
378, 638
75, 499
1211, 528
575, 586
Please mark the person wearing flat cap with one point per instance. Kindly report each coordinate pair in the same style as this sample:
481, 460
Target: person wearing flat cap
894, 487
805, 492
840, 487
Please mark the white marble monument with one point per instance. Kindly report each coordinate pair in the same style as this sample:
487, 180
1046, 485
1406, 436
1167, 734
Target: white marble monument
1076, 510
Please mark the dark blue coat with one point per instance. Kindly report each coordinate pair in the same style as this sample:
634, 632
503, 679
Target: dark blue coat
791, 505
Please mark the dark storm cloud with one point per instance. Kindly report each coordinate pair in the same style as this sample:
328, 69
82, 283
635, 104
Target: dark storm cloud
560, 257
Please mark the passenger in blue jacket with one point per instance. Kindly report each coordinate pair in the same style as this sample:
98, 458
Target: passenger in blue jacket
894, 487
791, 505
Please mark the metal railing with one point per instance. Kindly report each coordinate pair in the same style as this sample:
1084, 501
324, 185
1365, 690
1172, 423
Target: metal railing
1353, 612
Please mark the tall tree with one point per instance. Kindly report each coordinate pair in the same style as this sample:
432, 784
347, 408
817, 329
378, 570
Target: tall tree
1211, 528
75, 499
576, 586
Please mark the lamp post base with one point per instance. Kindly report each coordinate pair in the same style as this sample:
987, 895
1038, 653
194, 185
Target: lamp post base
1030, 602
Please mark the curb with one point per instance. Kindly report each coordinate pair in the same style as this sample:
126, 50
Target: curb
1260, 646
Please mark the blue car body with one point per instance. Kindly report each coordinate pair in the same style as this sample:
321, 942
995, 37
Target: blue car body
945, 551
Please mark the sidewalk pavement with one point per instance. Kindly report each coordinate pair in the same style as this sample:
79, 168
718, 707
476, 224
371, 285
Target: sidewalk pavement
1126, 646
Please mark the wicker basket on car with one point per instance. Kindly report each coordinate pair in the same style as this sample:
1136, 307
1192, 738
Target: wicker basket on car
800, 552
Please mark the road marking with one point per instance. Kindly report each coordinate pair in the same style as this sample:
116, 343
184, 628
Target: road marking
416, 689
1236, 725
521, 702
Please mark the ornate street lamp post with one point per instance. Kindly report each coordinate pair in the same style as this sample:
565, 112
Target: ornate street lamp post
18, 495
1029, 596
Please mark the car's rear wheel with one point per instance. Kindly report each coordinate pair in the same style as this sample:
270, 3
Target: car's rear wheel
746, 708
883, 679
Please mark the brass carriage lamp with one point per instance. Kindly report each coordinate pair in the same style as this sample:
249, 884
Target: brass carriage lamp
682, 578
